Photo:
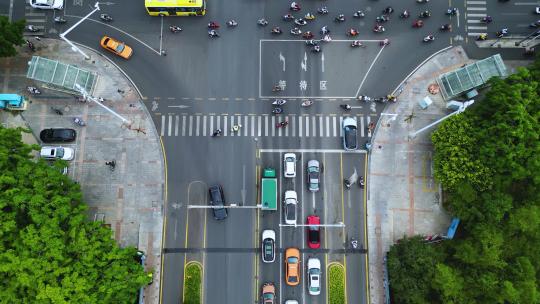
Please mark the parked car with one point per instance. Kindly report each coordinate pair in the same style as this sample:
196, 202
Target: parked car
314, 232
291, 201
289, 165
117, 47
53, 153
291, 302
217, 198
292, 266
57, 135
314, 276
313, 175
268, 293
47, 4
268, 246
350, 141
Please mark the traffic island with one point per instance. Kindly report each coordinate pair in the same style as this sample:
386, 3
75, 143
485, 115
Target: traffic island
336, 284
192, 283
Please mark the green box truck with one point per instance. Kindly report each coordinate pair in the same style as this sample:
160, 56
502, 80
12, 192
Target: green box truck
269, 189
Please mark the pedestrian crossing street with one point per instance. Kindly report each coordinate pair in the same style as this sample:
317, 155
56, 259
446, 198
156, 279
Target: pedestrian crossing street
476, 10
259, 125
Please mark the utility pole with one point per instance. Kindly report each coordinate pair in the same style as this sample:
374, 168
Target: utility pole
73, 46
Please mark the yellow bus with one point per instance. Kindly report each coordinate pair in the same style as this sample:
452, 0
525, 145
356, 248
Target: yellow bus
175, 7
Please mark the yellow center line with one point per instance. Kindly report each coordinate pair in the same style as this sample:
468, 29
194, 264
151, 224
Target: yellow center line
343, 220
365, 228
164, 227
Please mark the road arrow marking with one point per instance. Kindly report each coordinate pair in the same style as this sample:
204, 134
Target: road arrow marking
282, 59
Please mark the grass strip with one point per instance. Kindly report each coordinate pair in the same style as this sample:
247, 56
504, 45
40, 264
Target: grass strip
192, 284
336, 284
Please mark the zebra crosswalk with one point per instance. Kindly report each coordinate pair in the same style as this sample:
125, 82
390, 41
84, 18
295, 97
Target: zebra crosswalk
476, 10
258, 125
35, 17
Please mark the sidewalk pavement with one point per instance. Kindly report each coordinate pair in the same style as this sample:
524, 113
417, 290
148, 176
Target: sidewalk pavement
130, 198
413, 206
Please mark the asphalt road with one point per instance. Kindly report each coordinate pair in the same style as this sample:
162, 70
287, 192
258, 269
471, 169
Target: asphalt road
204, 83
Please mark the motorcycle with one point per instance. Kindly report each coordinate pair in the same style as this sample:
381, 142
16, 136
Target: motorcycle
382, 19
312, 42
282, 124
59, 19
429, 38
352, 32
357, 43
535, 24
276, 88
300, 22
418, 23
388, 10
364, 98
322, 10
31, 28
279, 102
487, 19
33, 90
384, 42
288, 17
295, 7
262, 22
379, 29
326, 38
106, 17
316, 49
445, 27
452, 11
309, 16
217, 132
324, 30
213, 25
213, 34
277, 110
308, 35
232, 23
340, 18
306, 103
276, 31
361, 182
482, 37
175, 29
424, 14
78, 121
347, 183
57, 111
296, 31
404, 15
345, 107
31, 46
422, 1
359, 14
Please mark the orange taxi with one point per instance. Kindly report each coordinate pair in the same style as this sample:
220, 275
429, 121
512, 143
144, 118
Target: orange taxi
292, 266
117, 47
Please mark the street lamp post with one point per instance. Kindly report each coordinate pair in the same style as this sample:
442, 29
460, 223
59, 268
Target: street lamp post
73, 46
92, 98
459, 110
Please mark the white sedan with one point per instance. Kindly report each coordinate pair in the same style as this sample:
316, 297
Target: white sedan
314, 276
289, 165
52, 153
291, 201
47, 4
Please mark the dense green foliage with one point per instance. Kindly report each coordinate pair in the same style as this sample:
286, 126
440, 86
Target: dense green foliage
336, 284
49, 252
487, 160
192, 284
11, 34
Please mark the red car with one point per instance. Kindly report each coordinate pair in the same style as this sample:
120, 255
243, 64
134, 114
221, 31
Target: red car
314, 232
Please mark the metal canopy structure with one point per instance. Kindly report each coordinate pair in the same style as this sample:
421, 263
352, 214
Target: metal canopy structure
60, 74
471, 76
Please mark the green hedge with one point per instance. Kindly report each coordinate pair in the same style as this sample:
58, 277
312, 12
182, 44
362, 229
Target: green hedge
192, 284
336, 284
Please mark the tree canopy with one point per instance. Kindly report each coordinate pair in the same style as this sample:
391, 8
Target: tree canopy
487, 160
11, 34
49, 251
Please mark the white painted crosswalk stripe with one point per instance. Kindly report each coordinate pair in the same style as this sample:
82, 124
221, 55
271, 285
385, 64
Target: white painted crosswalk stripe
258, 125
477, 27
474, 8
475, 12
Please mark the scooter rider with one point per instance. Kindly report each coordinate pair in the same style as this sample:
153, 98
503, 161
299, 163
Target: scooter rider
213, 33
175, 28
288, 17
356, 43
300, 21
217, 132
232, 23
296, 31
340, 18
276, 30
429, 38
295, 6
262, 22
487, 19
322, 10
316, 49
424, 14
359, 14
482, 37
213, 25
405, 14
324, 30
308, 35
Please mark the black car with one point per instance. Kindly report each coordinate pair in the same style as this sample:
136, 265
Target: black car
217, 198
57, 135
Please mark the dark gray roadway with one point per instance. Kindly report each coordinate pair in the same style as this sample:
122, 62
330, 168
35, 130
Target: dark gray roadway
197, 67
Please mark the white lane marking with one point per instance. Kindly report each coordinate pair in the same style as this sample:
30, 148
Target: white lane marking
183, 125
368, 122
321, 126
176, 123
252, 125
293, 125
313, 126
477, 27
266, 126
190, 131
527, 3
327, 126
340, 128
162, 125
273, 126
313, 151
204, 126
197, 125
307, 126
225, 126
212, 124
299, 126
474, 21
475, 34
259, 125
473, 8
246, 126
334, 124
477, 2
362, 126
232, 124
476, 15
286, 129
169, 126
